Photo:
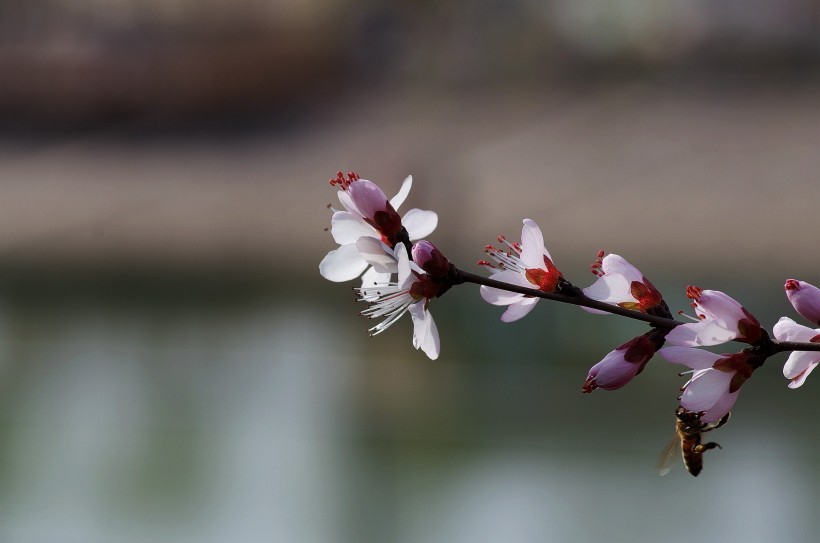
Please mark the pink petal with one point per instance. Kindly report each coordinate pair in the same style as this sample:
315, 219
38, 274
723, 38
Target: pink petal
397, 200
799, 365
613, 371
706, 389
697, 359
377, 254
788, 330
721, 407
346, 228
805, 298
532, 245
419, 223
342, 264
367, 197
349, 204
519, 309
703, 333
721, 307
425, 332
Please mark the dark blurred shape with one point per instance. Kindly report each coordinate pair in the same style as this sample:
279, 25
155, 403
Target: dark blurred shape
85, 61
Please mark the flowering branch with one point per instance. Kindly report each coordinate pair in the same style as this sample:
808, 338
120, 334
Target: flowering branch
376, 244
568, 295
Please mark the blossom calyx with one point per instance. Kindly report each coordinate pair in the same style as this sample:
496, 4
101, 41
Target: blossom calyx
805, 298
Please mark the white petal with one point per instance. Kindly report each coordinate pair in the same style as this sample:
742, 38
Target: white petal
342, 264
612, 288
499, 297
377, 254
371, 278
799, 365
419, 223
401, 196
519, 309
788, 330
706, 389
697, 359
617, 264
425, 333
346, 228
348, 204
703, 333
532, 245
404, 269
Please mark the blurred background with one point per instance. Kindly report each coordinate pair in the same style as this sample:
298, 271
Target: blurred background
174, 369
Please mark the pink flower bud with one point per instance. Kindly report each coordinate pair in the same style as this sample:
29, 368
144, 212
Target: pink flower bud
621, 365
430, 259
805, 298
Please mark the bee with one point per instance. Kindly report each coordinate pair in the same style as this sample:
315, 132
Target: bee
687, 440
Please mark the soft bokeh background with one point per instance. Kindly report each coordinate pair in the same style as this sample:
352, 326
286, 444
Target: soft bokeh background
173, 368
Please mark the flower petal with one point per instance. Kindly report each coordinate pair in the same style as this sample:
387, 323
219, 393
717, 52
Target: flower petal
721, 407
401, 196
613, 263
697, 359
367, 198
518, 309
613, 371
532, 246
703, 333
799, 365
419, 223
425, 332
497, 296
346, 228
805, 298
721, 307
788, 330
611, 288
372, 278
706, 389
377, 254
342, 264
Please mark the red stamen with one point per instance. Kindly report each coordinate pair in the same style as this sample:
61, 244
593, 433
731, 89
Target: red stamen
344, 182
693, 292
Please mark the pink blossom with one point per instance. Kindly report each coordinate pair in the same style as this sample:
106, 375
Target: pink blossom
716, 379
621, 365
805, 298
370, 216
411, 293
721, 319
800, 363
527, 264
622, 284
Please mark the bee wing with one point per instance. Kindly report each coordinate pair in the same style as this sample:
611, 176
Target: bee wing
668, 456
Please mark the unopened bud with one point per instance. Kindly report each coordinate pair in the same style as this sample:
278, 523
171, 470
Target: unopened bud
430, 259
